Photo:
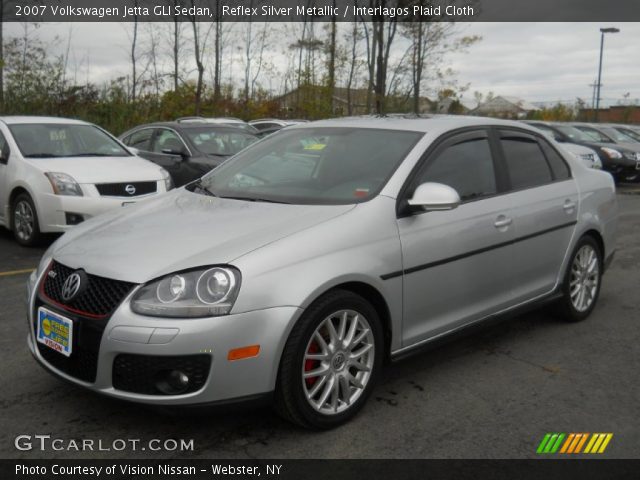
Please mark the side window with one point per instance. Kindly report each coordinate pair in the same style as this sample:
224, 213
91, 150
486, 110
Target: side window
167, 141
467, 167
140, 139
525, 161
558, 165
4, 149
595, 134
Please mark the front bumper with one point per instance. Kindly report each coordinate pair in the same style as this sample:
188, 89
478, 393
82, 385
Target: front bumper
129, 333
623, 169
52, 209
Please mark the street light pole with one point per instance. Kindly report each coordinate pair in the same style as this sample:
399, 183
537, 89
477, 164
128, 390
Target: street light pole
602, 32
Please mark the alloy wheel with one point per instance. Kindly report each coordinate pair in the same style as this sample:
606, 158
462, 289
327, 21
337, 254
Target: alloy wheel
338, 362
585, 276
24, 220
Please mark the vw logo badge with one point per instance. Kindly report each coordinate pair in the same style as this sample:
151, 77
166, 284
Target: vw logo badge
130, 189
71, 286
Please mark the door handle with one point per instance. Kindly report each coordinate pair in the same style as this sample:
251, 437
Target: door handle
503, 222
569, 205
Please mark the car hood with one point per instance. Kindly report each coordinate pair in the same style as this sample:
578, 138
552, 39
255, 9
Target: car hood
634, 147
578, 149
181, 230
101, 169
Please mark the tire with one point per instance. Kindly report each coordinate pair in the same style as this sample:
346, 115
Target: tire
573, 307
24, 221
311, 336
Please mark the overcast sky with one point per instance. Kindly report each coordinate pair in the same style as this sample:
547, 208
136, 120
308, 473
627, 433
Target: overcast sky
534, 61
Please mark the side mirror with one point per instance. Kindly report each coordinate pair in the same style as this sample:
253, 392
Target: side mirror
432, 196
134, 150
177, 153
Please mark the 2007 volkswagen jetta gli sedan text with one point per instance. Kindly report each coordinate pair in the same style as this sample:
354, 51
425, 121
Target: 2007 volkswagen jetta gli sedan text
297, 268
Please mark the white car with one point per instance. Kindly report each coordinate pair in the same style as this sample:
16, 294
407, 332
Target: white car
56, 173
586, 155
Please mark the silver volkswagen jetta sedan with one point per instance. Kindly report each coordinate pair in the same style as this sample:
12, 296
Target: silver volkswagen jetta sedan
293, 271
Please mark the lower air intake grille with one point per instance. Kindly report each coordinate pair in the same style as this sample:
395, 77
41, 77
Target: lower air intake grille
142, 373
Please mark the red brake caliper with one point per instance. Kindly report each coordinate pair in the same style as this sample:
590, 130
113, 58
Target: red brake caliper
311, 364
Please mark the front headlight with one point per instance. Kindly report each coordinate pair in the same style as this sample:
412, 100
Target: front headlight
631, 155
597, 163
195, 293
168, 181
611, 153
64, 184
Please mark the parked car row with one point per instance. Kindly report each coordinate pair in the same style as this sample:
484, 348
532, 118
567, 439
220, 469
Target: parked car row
56, 173
616, 146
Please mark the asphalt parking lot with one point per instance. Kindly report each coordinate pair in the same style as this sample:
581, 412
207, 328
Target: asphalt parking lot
493, 394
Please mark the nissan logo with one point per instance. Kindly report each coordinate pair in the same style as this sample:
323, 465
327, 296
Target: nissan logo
130, 189
72, 285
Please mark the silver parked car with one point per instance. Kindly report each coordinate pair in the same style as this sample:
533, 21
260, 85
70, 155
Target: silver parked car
294, 270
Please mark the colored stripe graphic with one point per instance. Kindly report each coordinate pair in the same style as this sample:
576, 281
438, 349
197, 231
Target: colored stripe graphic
550, 443
573, 443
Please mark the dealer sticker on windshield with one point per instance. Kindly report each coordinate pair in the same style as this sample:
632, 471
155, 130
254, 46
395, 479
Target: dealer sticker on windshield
55, 331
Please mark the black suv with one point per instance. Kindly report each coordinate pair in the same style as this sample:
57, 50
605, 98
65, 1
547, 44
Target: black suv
187, 150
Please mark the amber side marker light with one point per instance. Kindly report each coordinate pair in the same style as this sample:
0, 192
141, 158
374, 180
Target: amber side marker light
243, 352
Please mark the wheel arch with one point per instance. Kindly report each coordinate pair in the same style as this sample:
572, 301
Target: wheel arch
15, 191
597, 236
377, 300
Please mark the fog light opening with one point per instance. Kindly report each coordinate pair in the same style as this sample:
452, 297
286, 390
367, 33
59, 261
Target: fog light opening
172, 382
73, 218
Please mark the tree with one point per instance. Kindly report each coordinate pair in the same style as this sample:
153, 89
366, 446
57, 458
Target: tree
199, 47
379, 35
430, 42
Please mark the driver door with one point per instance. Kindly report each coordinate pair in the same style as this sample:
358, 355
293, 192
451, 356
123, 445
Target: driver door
457, 263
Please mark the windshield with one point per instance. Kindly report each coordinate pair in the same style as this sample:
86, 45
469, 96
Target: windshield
313, 166
574, 134
618, 136
631, 133
64, 140
595, 135
212, 141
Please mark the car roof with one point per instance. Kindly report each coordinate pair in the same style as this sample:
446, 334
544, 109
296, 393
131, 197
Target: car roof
411, 122
27, 119
190, 125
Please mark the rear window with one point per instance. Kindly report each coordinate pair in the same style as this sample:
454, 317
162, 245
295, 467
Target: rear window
556, 162
526, 162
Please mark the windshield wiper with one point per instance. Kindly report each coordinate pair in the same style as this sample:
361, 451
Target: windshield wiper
42, 155
256, 199
89, 154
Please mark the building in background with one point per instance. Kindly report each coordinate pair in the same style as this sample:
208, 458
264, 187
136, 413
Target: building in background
504, 107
